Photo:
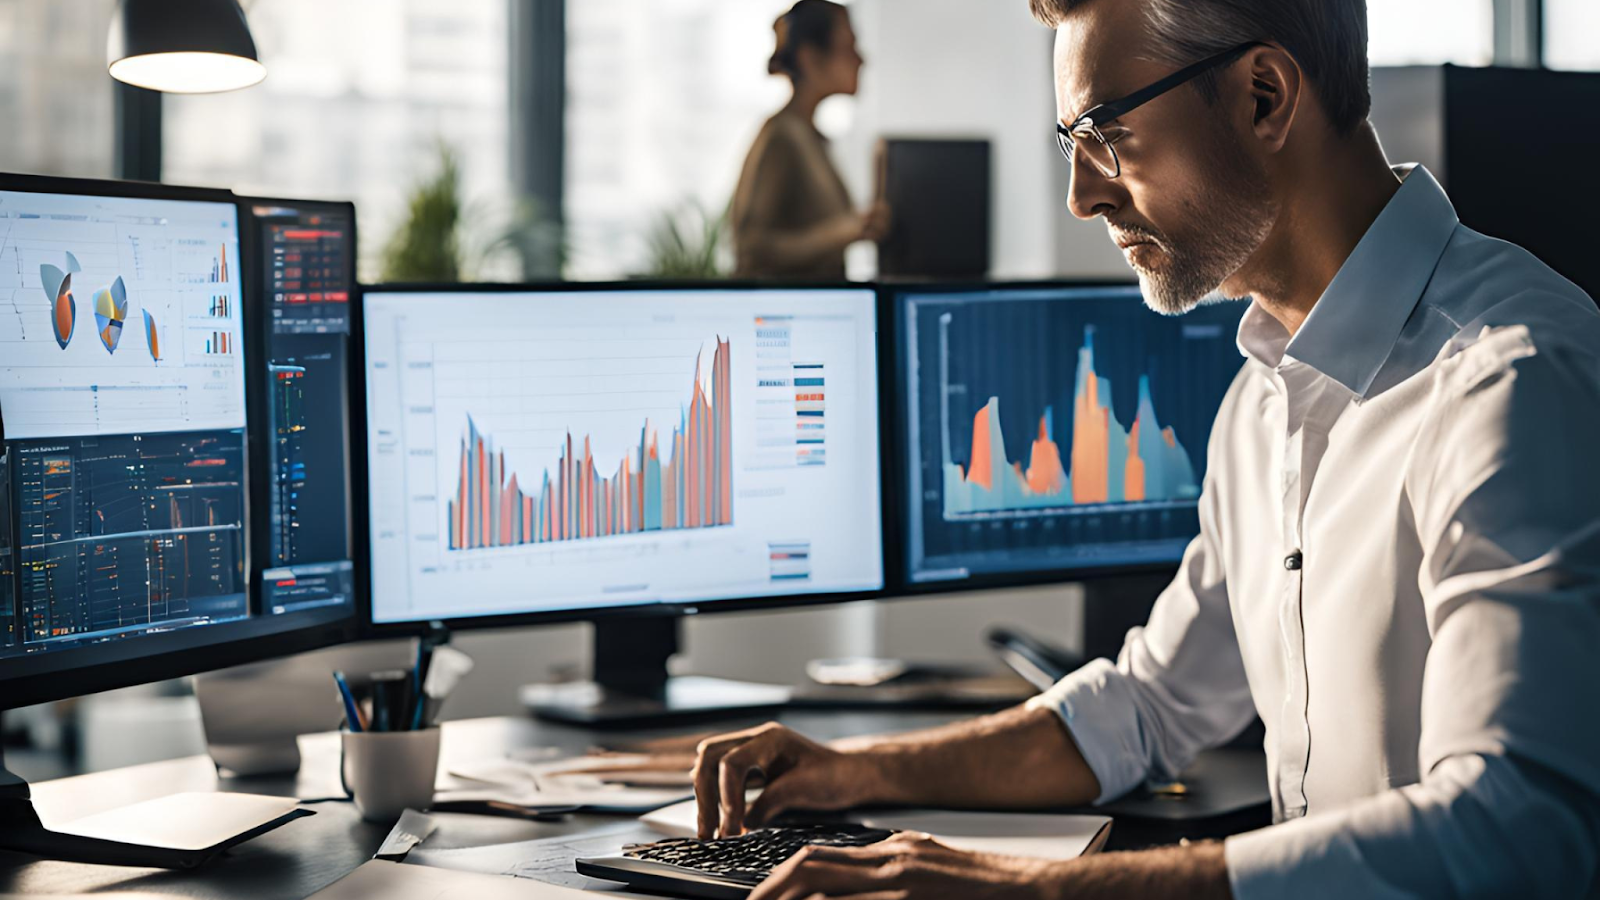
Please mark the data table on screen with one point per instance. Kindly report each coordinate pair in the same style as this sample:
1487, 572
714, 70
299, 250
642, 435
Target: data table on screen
307, 275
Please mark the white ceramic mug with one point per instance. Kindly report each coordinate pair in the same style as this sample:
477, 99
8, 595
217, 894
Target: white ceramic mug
388, 772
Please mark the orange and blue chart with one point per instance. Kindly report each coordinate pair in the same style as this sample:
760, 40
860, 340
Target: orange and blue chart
58, 289
151, 337
692, 488
110, 311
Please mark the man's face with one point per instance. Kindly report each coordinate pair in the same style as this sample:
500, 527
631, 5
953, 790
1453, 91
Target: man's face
1192, 203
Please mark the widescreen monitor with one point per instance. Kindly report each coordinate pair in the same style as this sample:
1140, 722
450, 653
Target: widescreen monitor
1050, 432
557, 454
128, 527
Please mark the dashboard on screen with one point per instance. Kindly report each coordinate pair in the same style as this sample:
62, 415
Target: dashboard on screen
123, 472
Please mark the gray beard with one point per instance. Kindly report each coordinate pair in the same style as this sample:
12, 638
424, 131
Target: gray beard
1237, 214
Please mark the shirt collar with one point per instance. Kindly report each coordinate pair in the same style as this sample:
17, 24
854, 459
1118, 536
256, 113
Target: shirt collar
1356, 322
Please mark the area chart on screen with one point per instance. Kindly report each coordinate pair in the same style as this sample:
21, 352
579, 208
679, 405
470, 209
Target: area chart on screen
1053, 429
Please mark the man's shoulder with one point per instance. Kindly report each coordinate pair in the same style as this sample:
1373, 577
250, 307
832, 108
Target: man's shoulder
1494, 302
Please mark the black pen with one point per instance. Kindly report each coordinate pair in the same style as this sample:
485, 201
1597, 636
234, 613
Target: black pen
391, 701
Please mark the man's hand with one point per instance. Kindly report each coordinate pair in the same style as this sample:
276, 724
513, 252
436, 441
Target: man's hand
1018, 759
799, 774
917, 867
907, 867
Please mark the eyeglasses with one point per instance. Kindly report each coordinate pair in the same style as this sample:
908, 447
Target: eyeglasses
1085, 132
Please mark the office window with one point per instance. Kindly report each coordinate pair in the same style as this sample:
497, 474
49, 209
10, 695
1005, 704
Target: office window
358, 98
56, 114
1428, 32
1572, 34
663, 102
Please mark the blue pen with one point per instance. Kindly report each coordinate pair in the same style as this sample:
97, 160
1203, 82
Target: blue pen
352, 713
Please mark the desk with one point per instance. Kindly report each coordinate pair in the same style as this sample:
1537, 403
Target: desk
307, 855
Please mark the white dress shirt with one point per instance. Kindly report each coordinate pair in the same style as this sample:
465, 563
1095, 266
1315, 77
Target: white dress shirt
1398, 569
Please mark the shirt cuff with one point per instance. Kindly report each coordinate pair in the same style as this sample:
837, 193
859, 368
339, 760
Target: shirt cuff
1100, 711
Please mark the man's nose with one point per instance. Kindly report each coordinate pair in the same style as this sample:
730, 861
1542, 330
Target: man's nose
1091, 193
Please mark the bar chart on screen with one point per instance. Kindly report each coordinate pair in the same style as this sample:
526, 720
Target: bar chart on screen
632, 448
690, 487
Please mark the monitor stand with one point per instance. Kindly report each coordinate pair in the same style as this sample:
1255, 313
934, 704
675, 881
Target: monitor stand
1111, 606
181, 831
631, 687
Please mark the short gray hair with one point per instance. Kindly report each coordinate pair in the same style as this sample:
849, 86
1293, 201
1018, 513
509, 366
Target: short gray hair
1328, 38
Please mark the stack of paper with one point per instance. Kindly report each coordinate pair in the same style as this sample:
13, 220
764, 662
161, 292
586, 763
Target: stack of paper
558, 784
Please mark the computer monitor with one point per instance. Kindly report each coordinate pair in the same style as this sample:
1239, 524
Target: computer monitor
538, 456
131, 523
306, 255
1052, 432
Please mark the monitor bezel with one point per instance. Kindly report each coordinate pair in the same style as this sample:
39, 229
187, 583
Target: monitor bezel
883, 337
898, 391
73, 672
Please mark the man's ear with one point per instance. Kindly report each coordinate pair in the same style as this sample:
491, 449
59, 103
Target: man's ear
1276, 83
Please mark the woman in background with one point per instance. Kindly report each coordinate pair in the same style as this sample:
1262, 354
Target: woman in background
792, 216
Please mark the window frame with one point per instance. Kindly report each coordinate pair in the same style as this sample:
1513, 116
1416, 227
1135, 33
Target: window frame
539, 147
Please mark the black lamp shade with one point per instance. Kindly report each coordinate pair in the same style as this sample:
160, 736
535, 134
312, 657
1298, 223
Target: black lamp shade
182, 46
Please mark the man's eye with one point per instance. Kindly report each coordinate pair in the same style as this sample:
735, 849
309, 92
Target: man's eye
1114, 135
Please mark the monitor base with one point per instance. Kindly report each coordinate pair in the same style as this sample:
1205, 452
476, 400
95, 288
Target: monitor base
179, 832
684, 698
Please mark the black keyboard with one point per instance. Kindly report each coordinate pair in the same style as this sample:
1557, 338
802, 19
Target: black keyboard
752, 856
726, 868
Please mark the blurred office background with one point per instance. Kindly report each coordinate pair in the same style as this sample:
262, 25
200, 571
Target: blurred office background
580, 130
600, 116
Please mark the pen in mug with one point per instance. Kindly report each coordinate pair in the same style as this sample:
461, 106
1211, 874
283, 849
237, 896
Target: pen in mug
352, 712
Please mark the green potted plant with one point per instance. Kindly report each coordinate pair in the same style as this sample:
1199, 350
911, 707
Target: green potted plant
687, 243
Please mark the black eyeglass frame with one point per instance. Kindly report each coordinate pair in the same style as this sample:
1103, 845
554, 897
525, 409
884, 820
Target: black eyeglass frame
1089, 123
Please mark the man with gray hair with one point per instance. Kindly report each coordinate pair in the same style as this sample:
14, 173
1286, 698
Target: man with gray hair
1398, 565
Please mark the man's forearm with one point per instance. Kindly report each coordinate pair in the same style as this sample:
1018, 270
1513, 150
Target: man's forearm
1018, 759
1195, 872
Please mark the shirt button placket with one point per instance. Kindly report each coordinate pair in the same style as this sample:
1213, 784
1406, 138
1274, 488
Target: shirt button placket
1295, 737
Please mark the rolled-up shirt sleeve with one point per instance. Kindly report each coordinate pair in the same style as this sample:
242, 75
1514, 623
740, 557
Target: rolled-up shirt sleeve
1505, 487
1178, 685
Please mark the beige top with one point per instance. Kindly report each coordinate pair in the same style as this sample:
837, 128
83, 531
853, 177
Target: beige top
788, 195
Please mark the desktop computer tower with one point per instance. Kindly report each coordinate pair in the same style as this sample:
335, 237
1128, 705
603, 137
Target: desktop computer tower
939, 194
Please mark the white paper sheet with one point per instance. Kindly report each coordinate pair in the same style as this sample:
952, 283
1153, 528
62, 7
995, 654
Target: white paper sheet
550, 860
402, 881
682, 819
1011, 834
